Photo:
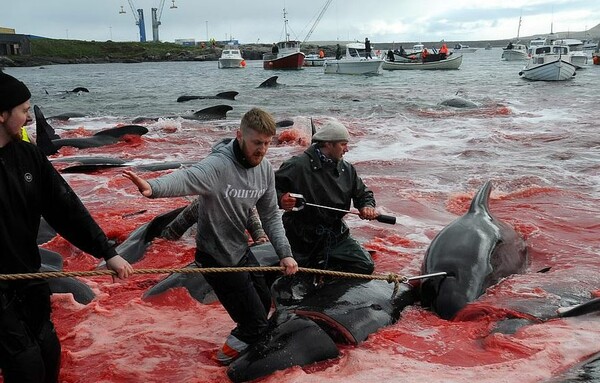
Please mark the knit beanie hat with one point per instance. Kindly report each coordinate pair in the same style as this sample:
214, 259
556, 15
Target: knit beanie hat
12, 92
332, 131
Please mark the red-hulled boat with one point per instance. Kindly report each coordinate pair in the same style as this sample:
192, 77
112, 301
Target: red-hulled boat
286, 54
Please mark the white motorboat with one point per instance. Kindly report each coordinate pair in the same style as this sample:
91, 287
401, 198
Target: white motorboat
231, 57
548, 63
461, 48
313, 59
515, 52
577, 56
416, 49
354, 62
451, 62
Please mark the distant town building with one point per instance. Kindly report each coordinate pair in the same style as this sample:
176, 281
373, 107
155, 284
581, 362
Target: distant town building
12, 44
186, 42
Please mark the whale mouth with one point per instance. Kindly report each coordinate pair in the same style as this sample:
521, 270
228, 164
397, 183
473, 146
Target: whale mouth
333, 328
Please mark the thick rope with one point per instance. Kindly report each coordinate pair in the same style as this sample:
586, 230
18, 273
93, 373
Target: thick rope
390, 278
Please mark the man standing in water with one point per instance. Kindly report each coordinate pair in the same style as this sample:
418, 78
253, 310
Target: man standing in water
30, 188
230, 182
319, 237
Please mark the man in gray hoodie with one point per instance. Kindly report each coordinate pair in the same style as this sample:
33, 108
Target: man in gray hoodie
230, 182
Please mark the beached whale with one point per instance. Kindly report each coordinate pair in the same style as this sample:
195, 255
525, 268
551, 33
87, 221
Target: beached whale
291, 341
217, 112
66, 116
476, 250
459, 102
225, 95
309, 318
49, 142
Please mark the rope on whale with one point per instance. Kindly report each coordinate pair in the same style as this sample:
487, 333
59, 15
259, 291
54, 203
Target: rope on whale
390, 277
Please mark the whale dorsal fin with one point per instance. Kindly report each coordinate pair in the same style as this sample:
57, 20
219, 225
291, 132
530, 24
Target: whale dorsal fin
480, 203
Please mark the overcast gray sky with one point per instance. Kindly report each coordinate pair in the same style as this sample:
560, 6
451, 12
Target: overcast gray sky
252, 21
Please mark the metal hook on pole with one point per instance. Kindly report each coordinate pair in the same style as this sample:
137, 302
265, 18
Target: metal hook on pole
301, 203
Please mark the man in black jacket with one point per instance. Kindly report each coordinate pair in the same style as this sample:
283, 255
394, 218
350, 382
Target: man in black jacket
30, 188
319, 237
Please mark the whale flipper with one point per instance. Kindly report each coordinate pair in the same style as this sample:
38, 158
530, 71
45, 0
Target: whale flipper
52, 261
194, 283
134, 247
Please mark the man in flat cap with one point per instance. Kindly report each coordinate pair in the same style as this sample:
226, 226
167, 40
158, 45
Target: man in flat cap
319, 237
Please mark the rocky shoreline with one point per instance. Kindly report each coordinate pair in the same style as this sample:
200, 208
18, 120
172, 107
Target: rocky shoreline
249, 52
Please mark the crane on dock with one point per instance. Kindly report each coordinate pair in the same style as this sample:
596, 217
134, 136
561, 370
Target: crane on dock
139, 18
156, 16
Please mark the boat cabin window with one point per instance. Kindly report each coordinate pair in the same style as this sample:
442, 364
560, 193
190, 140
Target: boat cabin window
541, 50
560, 50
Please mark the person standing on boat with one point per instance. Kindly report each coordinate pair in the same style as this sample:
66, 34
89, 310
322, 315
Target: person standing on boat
321, 53
338, 52
230, 182
274, 49
367, 48
319, 237
30, 188
390, 56
443, 51
424, 54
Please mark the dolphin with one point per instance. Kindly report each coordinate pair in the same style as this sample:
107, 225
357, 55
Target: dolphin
52, 261
459, 102
226, 95
49, 142
271, 82
291, 340
476, 250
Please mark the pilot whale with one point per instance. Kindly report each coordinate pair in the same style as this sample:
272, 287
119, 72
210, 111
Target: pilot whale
476, 251
49, 142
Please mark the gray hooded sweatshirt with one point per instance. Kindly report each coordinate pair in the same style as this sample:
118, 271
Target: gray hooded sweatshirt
228, 191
